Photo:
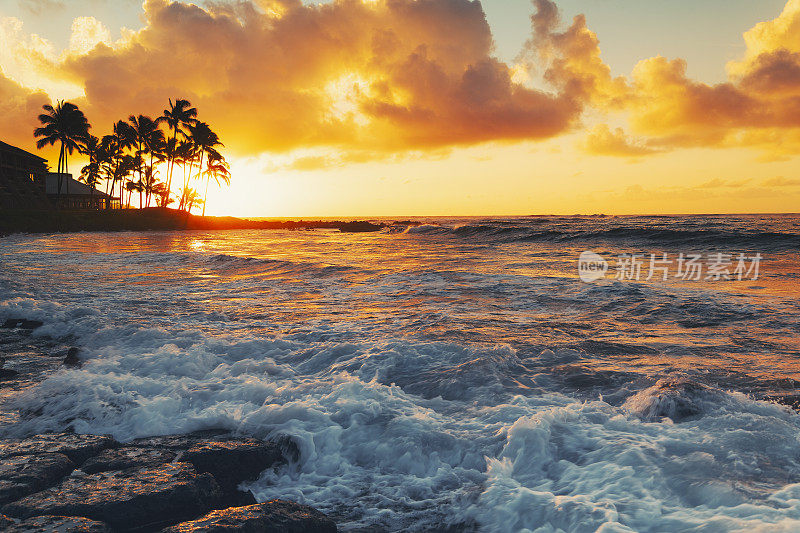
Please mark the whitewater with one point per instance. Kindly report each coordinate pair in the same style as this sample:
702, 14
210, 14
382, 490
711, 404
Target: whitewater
453, 374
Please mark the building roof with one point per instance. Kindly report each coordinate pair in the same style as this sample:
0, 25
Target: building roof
70, 187
19, 151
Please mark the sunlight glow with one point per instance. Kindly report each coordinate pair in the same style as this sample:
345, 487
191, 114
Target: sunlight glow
344, 93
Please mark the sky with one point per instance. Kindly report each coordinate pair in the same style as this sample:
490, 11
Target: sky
439, 107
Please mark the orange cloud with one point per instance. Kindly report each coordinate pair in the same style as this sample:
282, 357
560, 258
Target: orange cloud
19, 108
388, 75
758, 107
601, 140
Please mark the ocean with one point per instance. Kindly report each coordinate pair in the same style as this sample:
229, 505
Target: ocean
455, 374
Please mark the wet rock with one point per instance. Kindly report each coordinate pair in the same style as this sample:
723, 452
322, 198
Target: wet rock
359, 226
276, 516
25, 474
21, 323
77, 447
127, 499
127, 457
5, 523
233, 461
72, 358
60, 524
181, 442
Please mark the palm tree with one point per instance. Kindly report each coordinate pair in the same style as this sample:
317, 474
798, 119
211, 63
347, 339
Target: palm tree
161, 194
125, 137
217, 168
65, 124
179, 115
149, 184
91, 172
186, 152
192, 198
111, 153
205, 141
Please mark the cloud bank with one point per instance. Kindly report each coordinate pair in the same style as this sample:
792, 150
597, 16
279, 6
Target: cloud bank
388, 76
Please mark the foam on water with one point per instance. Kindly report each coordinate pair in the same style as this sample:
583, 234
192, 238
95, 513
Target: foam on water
444, 394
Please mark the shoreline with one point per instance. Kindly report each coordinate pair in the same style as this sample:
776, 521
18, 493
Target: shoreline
155, 219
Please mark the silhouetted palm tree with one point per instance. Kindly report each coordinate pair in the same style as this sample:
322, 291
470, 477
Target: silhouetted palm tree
205, 141
149, 184
192, 198
217, 168
147, 134
66, 124
179, 115
91, 172
126, 138
186, 153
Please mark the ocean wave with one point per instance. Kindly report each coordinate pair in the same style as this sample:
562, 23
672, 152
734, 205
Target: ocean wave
379, 450
628, 234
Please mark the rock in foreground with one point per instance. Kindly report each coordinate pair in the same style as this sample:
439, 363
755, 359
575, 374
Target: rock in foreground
233, 461
277, 516
77, 447
127, 457
60, 524
126, 499
24, 474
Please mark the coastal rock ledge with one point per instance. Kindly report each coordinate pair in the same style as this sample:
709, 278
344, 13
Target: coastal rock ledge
178, 483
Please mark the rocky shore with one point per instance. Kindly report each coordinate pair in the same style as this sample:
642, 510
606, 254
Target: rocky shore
178, 483
71, 483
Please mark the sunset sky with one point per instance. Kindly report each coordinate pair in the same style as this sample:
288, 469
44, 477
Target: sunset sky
439, 107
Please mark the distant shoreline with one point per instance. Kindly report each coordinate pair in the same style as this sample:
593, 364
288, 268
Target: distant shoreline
154, 219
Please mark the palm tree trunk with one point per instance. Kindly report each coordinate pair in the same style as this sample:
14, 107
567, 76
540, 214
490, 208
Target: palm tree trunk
171, 162
205, 196
60, 166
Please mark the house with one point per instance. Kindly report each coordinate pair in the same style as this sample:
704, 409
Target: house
22, 178
76, 195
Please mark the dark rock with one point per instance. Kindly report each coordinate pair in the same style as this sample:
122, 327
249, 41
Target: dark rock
233, 461
77, 447
240, 499
127, 499
276, 516
5, 523
181, 442
127, 457
72, 358
359, 226
13, 323
60, 524
24, 474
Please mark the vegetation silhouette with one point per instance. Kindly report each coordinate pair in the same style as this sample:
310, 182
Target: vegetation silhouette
65, 124
126, 160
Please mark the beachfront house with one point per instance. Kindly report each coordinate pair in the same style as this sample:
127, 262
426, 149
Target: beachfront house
76, 195
22, 177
